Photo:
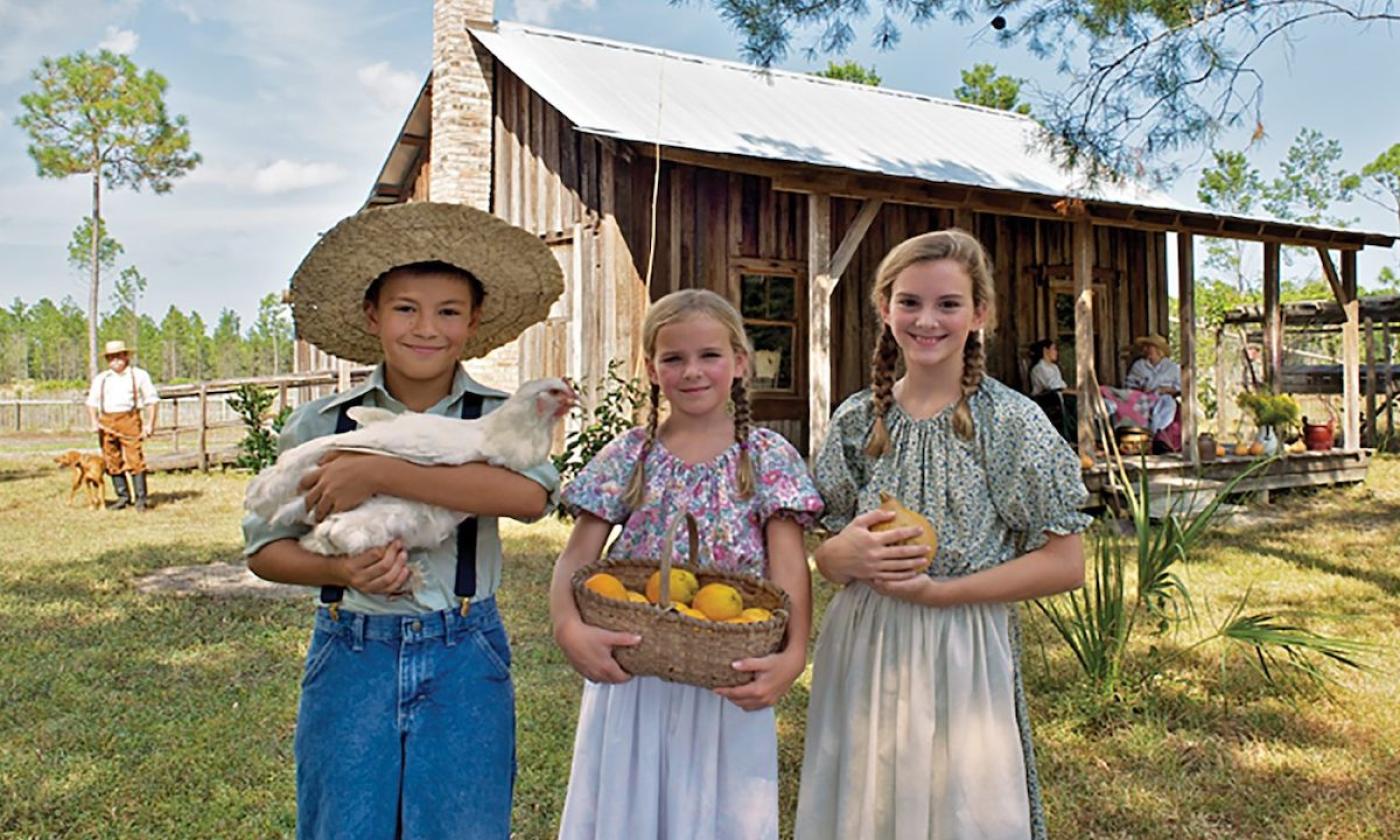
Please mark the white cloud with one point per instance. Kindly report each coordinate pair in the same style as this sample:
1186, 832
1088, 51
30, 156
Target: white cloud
190, 13
120, 41
280, 176
542, 11
32, 30
393, 89
287, 176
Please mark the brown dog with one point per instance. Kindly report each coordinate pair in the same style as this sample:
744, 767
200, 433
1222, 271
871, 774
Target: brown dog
87, 472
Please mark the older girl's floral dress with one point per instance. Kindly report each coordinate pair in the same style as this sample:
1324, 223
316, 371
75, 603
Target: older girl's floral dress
655, 759
917, 722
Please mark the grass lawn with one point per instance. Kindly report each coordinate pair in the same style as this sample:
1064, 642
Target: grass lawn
132, 715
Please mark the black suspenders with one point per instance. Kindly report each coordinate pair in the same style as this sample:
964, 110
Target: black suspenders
464, 585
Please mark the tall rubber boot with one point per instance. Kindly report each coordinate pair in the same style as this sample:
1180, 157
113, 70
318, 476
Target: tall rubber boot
138, 481
123, 495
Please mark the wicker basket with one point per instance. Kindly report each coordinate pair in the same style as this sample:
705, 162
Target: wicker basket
676, 647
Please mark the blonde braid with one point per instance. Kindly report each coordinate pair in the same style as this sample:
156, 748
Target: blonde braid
974, 366
739, 393
636, 492
882, 367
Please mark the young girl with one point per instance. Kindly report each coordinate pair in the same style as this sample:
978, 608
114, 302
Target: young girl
917, 723
406, 726
656, 759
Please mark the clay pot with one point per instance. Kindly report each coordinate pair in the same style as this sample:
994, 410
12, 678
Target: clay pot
1319, 437
1206, 446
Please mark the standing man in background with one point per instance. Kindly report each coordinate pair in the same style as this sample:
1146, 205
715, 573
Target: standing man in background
114, 405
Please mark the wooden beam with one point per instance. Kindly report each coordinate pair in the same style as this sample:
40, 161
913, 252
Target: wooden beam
854, 236
1370, 382
1186, 297
810, 178
1351, 354
1083, 256
1220, 401
1273, 318
1332, 279
822, 284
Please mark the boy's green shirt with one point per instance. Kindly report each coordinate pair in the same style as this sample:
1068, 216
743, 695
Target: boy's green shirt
318, 418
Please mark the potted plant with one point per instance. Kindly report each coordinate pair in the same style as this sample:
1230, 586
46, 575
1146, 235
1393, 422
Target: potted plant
1275, 415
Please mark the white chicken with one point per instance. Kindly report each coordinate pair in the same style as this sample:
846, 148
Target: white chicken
517, 435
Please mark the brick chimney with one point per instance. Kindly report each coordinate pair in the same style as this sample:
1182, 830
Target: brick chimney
460, 169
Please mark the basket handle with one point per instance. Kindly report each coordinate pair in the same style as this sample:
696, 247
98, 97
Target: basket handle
669, 548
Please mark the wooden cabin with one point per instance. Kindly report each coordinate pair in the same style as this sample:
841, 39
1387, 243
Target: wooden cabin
648, 171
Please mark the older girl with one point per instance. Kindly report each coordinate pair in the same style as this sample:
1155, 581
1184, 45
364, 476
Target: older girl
917, 724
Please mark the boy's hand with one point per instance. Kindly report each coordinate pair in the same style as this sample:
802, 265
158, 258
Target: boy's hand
379, 571
341, 482
773, 676
589, 650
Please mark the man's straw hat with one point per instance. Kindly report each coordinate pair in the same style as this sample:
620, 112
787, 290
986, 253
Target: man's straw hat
113, 348
1154, 340
517, 270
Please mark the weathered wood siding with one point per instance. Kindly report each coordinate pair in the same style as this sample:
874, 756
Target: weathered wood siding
591, 199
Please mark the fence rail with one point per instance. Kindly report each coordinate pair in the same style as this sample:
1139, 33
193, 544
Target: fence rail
194, 408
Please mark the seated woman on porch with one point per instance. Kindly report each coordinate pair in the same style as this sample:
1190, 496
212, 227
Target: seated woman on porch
1049, 390
1148, 399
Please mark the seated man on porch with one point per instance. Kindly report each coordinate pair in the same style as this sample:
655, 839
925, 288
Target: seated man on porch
1149, 398
1049, 390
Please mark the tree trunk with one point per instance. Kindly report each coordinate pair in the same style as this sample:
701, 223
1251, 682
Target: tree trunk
92, 292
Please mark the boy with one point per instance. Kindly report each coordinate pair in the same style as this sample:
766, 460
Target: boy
406, 726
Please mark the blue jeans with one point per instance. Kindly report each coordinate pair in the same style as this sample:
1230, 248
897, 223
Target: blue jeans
406, 727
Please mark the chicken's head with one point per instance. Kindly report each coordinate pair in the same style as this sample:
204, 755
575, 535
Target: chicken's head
551, 398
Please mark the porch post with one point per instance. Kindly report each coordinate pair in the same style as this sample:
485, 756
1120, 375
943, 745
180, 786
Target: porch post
822, 284
826, 269
1273, 319
1083, 251
1351, 353
1186, 278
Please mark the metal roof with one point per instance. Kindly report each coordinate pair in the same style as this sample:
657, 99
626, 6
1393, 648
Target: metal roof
645, 95
628, 92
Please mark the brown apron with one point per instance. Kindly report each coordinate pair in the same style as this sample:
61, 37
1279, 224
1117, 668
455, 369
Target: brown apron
121, 452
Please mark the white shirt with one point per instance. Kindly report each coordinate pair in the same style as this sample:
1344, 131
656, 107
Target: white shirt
114, 393
1145, 376
1045, 376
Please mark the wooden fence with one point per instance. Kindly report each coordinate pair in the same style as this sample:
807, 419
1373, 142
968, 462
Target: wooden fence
187, 412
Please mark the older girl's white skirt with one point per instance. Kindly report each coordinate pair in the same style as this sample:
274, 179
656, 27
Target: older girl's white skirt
912, 729
654, 759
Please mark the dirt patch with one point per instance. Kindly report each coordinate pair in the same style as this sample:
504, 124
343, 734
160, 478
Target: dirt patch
216, 580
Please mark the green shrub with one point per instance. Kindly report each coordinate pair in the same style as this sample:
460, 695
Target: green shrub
619, 402
254, 405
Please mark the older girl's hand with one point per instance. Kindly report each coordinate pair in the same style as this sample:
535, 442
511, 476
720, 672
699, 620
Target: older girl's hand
918, 589
858, 553
589, 650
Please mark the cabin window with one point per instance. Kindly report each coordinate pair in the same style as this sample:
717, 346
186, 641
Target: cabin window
769, 305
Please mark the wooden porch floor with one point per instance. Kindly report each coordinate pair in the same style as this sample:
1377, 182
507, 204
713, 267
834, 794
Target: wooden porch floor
1174, 473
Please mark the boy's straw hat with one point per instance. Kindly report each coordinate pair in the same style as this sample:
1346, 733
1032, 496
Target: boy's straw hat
114, 348
1155, 340
517, 270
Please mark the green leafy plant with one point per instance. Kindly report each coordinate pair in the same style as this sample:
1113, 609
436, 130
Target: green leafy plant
254, 406
1279, 412
1099, 620
619, 402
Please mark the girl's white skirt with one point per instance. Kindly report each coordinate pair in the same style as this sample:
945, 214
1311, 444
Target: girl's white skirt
912, 731
654, 759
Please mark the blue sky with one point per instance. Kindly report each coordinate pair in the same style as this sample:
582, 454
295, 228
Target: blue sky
294, 104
